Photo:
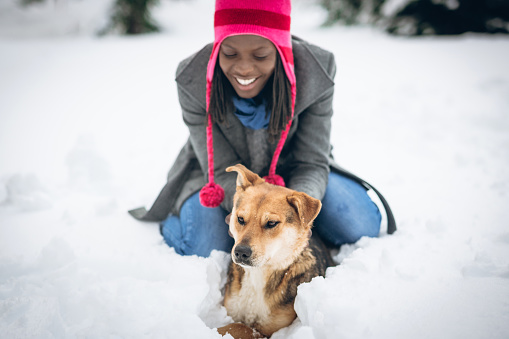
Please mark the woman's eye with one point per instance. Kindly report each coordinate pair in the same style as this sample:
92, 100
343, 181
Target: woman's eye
261, 57
240, 220
229, 55
271, 224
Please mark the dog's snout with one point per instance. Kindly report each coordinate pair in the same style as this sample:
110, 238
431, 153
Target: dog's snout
243, 253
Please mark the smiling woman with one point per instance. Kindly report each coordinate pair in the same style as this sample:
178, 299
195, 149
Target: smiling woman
259, 97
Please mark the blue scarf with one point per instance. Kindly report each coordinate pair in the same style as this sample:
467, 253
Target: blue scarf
251, 114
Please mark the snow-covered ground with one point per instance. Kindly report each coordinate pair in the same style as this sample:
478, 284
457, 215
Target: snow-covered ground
89, 127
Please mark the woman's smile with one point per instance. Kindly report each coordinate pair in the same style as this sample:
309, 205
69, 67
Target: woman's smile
245, 85
245, 82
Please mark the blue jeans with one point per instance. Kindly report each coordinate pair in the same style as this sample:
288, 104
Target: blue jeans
347, 214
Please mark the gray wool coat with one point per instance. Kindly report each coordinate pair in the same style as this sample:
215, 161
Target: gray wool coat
305, 160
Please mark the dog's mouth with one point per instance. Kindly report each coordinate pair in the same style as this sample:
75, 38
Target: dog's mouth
243, 262
244, 265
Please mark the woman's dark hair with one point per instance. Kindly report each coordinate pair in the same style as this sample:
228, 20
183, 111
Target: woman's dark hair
277, 94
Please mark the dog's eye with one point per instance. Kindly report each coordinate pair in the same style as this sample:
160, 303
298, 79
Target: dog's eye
271, 224
241, 220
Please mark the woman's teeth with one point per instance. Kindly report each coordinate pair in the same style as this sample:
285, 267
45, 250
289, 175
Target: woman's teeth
245, 82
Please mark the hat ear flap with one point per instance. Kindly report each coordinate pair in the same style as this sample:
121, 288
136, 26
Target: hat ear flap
245, 177
307, 207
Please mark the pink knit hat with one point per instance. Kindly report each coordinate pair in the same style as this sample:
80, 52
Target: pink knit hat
266, 18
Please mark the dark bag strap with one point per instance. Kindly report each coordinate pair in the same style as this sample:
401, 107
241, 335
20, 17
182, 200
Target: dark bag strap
391, 222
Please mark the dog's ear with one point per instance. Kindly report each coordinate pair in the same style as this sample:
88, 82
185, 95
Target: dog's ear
307, 207
245, 177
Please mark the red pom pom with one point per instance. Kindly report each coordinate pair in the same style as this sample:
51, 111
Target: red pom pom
211, 195
275, 180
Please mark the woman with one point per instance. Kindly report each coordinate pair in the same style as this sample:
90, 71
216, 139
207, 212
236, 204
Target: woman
260, 97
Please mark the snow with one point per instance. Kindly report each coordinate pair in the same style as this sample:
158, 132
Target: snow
89, 127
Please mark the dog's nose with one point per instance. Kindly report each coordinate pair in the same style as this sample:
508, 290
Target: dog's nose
243, 252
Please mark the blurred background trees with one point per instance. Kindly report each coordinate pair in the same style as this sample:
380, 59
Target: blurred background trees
422, 17
399, 17
407, 17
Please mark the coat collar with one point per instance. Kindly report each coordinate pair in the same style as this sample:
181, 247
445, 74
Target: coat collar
312, 82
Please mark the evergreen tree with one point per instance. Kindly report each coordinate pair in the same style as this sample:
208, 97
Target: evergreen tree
352, 12
132, 17
424, 17
29, 2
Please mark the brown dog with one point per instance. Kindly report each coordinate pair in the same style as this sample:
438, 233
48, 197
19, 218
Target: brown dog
272, 255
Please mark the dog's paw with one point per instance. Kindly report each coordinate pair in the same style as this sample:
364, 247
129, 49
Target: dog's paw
239, 331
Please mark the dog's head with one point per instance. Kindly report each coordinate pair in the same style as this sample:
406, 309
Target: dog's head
271, 224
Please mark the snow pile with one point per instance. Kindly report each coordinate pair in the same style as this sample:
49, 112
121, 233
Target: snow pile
24, 191
89, 128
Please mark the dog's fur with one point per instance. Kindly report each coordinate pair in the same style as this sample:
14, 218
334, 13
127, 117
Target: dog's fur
273, 253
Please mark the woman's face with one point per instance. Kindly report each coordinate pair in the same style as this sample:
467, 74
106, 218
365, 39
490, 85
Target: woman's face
248, 61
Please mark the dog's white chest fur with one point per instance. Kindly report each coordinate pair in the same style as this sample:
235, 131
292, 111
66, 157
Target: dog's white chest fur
249, 305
